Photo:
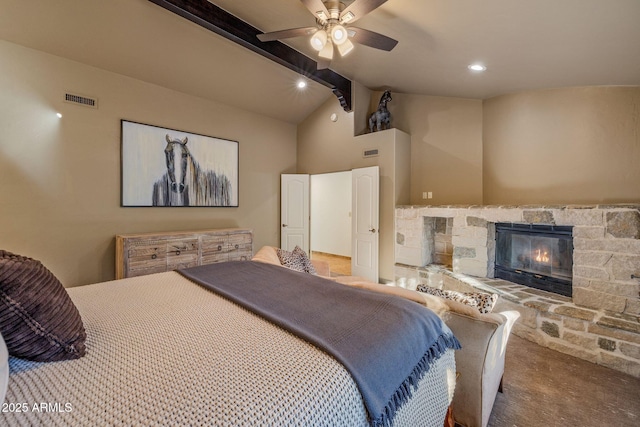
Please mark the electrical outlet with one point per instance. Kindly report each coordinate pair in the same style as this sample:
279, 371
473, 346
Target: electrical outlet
424, 194
429, 195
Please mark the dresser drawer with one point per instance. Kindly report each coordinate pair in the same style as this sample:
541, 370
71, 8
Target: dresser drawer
182, 253
142, 266
146, 249
240, 239
213, 258
146, 258
142, 270
177, 248
212, 245
244, 254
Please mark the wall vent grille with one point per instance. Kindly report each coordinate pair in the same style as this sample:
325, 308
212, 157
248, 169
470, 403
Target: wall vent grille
370, 153
81, 100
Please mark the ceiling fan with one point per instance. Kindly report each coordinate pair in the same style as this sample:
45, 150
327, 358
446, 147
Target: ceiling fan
333, 29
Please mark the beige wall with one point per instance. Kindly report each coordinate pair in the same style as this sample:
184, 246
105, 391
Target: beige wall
446, 142
446, 145
571, 145
60, 198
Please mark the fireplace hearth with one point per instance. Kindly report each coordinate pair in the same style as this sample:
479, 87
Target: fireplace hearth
535, 255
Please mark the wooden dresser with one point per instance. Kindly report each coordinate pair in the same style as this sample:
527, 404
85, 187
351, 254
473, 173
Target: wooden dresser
146, 253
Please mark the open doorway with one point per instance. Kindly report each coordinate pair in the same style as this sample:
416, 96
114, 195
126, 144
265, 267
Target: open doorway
344, 220
331, 204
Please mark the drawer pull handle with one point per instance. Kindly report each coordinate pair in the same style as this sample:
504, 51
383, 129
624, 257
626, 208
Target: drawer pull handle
219, 247
237, 246
177, 252
154, 256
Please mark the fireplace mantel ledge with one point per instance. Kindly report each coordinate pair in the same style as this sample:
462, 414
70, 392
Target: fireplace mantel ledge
532, 206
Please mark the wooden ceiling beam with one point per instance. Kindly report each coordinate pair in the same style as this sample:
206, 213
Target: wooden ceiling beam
213, 18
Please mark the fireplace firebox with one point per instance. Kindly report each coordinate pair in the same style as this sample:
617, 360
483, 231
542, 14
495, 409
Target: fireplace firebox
539, 256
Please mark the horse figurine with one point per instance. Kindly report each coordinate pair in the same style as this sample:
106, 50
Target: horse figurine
381, 116
193, 185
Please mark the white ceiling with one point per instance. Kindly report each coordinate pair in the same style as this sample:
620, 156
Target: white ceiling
525, 44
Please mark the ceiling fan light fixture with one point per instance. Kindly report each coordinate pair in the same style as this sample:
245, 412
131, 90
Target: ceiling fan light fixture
327, 51
323, 16
345, 47
319, 40
347, 17
339, 34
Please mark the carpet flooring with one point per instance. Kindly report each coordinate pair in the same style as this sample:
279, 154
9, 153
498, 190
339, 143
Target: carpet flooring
543, 387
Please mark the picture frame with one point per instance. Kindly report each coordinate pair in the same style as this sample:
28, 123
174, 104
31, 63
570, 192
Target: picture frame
164, 167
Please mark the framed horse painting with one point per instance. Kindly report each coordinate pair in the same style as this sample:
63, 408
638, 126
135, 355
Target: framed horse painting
169, 167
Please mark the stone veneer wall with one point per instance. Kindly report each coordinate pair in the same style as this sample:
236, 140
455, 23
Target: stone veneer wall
606, 241
600, 323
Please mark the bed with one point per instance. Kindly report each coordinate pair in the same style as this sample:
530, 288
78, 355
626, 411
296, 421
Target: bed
164, 350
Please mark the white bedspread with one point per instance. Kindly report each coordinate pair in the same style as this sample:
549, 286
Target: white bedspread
164, 351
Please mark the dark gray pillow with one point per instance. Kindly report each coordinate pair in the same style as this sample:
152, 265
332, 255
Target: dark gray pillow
38, 320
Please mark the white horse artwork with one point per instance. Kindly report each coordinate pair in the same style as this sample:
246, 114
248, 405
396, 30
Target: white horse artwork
185, 183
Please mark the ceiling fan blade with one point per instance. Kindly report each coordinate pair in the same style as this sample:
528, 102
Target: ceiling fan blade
371, 39
285, 34
323, 63
359, 8
316, 6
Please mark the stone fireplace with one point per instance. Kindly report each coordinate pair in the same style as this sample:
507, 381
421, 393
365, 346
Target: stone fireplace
597, 318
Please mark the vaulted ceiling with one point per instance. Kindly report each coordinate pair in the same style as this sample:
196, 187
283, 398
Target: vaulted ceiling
524, 44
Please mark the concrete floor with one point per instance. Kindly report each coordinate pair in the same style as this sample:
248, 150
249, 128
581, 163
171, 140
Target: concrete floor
543, 387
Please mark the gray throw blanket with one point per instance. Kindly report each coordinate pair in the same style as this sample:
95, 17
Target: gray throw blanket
385, 342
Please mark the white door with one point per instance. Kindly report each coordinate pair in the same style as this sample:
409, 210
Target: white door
294, 212
365, 222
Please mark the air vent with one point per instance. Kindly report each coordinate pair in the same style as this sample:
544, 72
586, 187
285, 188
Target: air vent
370, 153
81, 100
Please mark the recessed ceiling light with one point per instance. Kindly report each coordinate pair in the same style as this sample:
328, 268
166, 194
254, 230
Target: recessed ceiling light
59, 115
301, 84
477, 67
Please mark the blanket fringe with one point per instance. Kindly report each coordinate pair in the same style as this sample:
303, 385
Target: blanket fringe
405, 390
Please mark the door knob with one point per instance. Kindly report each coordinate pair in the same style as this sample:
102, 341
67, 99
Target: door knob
373, 230
284, 225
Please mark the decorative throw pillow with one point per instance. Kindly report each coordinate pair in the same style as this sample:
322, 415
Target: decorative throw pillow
308, 266
483, 302
296, 260
38, 320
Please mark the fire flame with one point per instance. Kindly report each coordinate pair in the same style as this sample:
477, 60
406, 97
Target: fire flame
541, 256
